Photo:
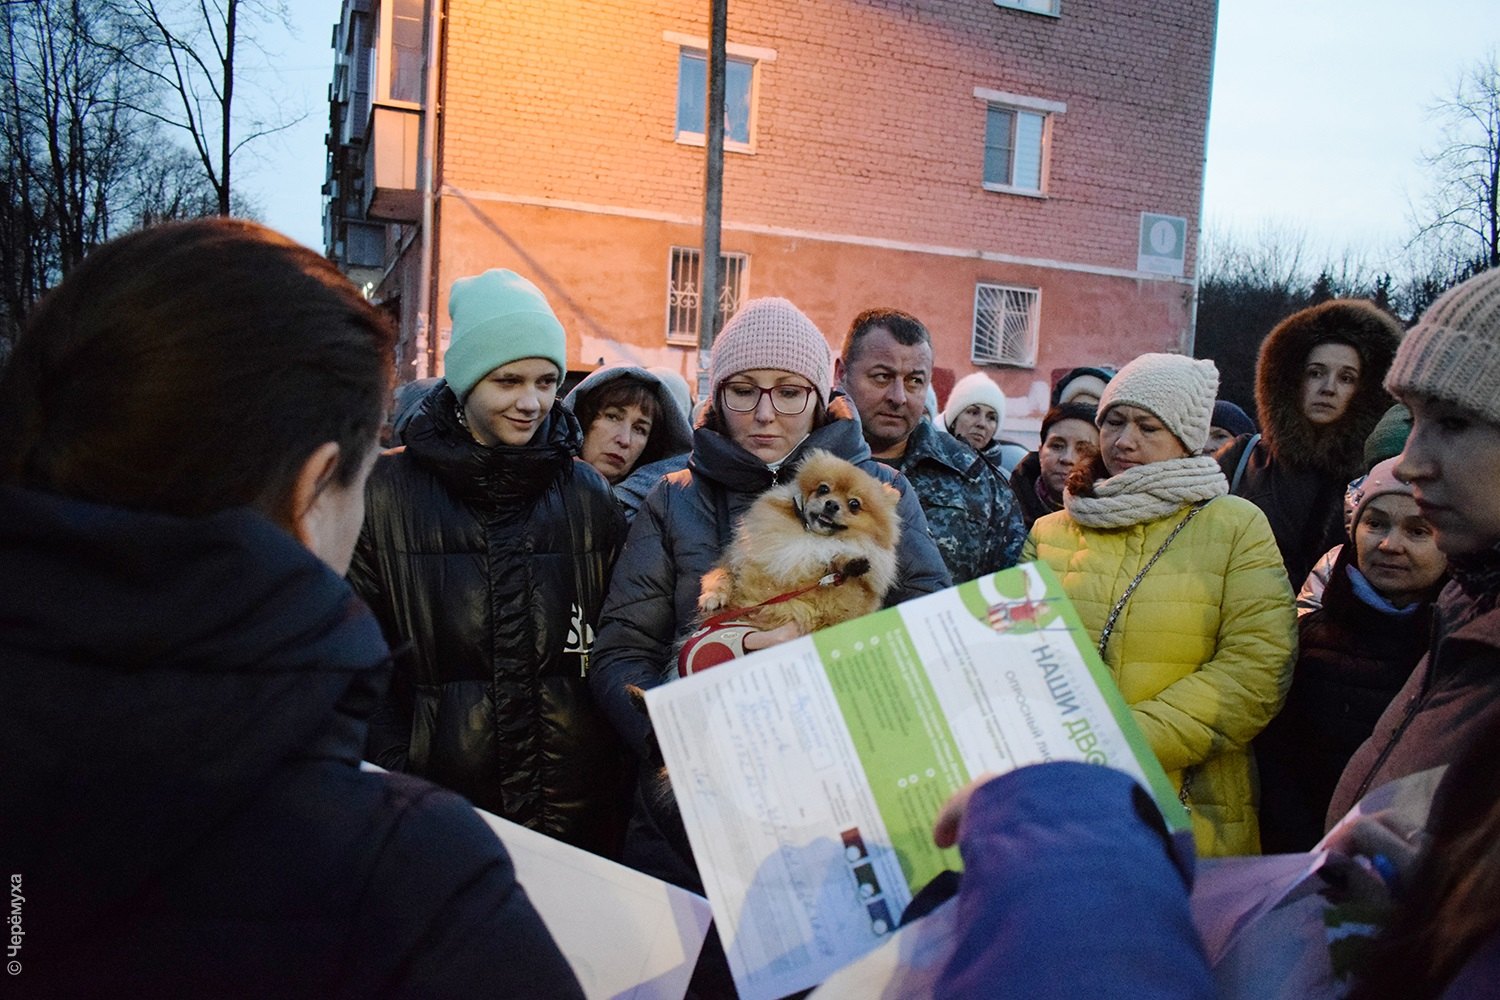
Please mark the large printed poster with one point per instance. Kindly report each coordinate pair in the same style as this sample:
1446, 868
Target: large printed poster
809, 774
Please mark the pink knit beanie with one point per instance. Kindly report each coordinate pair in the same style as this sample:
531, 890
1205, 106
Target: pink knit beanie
772, 333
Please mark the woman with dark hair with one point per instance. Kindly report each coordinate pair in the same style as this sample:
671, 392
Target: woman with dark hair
186, 427
770, 374
1069, 441
486, 550
1318, 396
630, 418
1182, 589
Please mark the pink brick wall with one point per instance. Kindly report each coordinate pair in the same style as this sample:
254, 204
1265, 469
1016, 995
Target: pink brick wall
867, 120
867, 128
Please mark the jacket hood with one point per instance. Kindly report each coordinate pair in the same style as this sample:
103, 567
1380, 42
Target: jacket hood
1292, 438
477, 473
716, 456
675, 436
155, 672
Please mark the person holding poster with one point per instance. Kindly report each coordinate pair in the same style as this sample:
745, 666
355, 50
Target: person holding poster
1183, 588
186, 427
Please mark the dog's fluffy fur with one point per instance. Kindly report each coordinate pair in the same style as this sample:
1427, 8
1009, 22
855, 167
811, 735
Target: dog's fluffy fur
833, 518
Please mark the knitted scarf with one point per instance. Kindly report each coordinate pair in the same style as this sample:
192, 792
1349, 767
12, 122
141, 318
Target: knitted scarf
1146, 492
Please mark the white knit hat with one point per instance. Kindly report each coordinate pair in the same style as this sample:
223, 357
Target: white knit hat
1179, 390
1453, 353
772, 333
976, 387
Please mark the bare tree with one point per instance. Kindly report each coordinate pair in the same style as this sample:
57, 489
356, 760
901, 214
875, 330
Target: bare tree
1460, 215
193, 50
78, 159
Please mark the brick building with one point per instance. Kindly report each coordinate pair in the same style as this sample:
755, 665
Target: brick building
1023, 175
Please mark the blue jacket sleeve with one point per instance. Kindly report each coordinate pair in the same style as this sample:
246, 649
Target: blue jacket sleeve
1070, 889
919, 565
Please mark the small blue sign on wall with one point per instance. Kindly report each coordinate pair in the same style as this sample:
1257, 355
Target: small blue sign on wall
1163, 246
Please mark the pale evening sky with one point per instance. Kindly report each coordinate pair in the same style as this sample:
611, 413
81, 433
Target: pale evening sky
1318, 117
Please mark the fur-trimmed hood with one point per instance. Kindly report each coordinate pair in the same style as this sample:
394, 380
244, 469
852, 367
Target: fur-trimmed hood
1292, 438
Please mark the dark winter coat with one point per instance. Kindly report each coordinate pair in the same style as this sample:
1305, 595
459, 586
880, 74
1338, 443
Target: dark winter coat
972, 513
1353, 660
1452, 695
1026, 483
1297, 471
490, 564
182, 707
678, 536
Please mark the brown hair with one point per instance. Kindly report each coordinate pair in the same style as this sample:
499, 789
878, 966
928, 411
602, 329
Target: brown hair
193, 367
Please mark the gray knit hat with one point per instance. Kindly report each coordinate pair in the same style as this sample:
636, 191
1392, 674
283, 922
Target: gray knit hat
772, 333
1179, 390
1453, 353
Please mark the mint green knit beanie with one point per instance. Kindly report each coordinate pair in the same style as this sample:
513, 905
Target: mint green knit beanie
499, 317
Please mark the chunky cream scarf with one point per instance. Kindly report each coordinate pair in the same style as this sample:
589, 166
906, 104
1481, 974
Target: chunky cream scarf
1147, 492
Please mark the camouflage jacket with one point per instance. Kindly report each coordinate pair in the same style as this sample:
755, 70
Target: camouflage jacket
972, 513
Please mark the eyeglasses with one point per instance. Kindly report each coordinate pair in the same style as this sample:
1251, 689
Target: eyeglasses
742, 397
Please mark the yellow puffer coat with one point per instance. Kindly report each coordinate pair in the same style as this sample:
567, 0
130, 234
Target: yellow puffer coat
1203, 651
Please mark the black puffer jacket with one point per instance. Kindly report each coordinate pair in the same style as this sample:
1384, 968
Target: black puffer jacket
491, 564
182, 706
681, 530
1026, 483
1351, 662
1297, 471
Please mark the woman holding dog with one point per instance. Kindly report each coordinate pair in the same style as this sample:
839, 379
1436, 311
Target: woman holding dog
1181, 586
770, 377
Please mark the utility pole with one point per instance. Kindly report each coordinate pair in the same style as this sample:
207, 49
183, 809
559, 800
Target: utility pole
713, 191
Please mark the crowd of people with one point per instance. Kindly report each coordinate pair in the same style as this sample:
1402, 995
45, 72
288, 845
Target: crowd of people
221, 595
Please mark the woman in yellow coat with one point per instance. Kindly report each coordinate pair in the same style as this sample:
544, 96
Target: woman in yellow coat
1202, 645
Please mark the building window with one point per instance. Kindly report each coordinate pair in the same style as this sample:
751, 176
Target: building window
398, 52
692, 99
1048, 7
1017, 141
741, 84
683, 283
1005, 325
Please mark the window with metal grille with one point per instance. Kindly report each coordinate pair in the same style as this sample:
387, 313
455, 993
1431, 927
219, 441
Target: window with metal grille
1005, 324
684, 277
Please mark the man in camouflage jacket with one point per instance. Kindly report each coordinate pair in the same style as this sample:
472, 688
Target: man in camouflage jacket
885, 368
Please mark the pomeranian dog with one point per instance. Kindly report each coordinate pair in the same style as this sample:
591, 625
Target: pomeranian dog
833, 521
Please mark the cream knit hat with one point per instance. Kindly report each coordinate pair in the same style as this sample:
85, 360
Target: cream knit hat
1179, 390
1453, 353
772, 333
974, 388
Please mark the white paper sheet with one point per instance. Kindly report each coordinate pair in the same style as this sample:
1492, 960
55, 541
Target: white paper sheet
809, 774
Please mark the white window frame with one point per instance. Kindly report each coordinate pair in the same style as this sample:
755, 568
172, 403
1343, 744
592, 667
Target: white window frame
730, 298
1048, 8
381, 55
1047, 109
754, 55
1025, 357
